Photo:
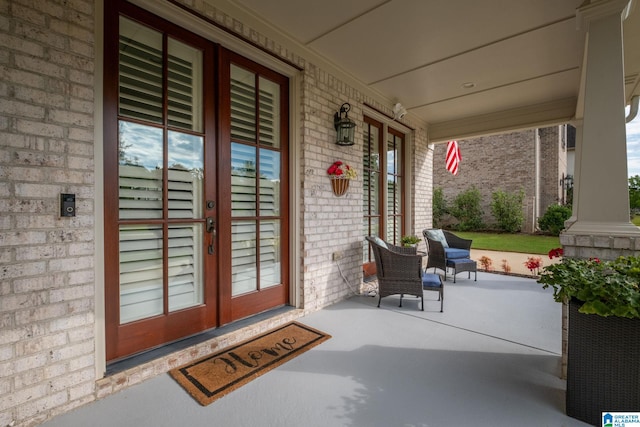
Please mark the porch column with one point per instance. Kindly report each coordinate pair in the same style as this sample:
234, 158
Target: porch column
600, 225
601, 196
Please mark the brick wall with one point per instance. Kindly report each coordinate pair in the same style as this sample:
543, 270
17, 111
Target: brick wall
47, 264
48, 354
506, 162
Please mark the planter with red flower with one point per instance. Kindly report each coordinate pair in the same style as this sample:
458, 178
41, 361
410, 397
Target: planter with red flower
603, 366
340, 174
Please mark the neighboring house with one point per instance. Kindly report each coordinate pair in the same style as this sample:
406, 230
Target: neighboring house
533, 160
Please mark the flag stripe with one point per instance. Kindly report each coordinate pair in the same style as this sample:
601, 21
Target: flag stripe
453, 158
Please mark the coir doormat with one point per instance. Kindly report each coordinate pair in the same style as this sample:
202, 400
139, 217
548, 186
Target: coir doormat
218, 374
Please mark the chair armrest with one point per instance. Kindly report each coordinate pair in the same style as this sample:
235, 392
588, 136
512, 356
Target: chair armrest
407, 250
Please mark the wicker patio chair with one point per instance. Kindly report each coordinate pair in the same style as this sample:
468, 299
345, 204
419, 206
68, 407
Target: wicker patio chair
443, 245
399, 271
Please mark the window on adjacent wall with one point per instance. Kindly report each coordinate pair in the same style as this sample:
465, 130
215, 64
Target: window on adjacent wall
383, 186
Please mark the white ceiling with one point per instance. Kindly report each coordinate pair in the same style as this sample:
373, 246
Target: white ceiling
523, 57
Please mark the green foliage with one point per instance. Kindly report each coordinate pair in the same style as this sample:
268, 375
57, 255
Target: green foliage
466, 209
440, 208
409, 240
553, 219
634, 192
507, 210
608, 288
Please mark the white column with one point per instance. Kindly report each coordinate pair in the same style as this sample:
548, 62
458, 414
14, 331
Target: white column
601, 196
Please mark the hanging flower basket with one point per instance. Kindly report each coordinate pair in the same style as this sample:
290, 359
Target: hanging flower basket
340, 185
340, 174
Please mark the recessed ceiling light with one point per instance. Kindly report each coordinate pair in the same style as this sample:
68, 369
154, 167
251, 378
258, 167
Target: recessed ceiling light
468, 85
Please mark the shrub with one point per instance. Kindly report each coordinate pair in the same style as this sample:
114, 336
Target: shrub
507, 210
505, 266
486, 263
552, 221
440, 208
466, 209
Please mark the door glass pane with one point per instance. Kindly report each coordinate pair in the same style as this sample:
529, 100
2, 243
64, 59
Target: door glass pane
185, 259
243, 257
269, 182
243, 104
140, 171
270, 258
371, 153
371, 195
140, 72
186, 173
185, 86
269, 113
371, 228
243, 180
141, 290
393, 208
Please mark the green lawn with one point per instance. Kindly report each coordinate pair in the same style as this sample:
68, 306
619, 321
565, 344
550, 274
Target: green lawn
526, 243
636, 220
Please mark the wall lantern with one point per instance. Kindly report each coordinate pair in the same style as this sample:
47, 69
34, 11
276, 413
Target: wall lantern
345, 127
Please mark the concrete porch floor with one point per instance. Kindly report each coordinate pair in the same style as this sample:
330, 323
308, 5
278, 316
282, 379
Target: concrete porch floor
491, 359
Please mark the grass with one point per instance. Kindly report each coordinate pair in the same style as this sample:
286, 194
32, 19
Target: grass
636, 220
524, 243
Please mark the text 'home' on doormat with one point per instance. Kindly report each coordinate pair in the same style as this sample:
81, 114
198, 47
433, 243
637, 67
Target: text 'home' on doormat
213, 376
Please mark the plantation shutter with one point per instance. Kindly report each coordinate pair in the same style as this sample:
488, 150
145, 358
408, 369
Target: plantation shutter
394, 188
255, 181
150, 155
371, 187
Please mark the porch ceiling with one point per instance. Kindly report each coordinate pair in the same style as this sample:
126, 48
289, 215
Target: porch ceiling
524, 59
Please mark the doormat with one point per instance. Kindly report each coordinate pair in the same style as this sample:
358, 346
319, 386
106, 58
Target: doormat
218, 374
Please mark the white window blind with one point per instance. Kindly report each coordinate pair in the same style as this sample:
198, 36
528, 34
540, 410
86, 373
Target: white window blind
144, 149
140, 71
255, 181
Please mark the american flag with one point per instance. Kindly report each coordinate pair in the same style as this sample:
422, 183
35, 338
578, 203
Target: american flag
453, 157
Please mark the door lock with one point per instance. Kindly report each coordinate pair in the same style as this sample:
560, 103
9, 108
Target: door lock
211, 229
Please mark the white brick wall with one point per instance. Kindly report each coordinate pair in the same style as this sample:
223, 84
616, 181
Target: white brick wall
47, 279
46, 148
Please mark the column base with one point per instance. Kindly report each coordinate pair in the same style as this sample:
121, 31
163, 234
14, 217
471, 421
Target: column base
602, 228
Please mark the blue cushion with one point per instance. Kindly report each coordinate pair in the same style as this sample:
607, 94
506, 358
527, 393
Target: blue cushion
459, 261
438, 236
431, 280
455, 253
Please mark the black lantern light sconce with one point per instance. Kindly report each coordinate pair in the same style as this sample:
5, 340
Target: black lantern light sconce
345, 127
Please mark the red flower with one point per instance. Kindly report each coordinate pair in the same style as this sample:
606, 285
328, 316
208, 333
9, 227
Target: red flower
556, 253
339, 168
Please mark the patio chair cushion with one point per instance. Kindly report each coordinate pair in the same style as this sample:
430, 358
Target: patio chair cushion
438, 236
380, 242
455, 253
431, 280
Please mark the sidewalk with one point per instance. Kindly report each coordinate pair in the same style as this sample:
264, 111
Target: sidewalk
515, 260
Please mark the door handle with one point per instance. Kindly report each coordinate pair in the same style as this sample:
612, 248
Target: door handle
211, 229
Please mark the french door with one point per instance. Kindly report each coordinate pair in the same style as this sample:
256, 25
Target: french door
195, 148
383, 195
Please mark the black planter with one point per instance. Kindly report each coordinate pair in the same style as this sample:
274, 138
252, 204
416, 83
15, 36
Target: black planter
603, 372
